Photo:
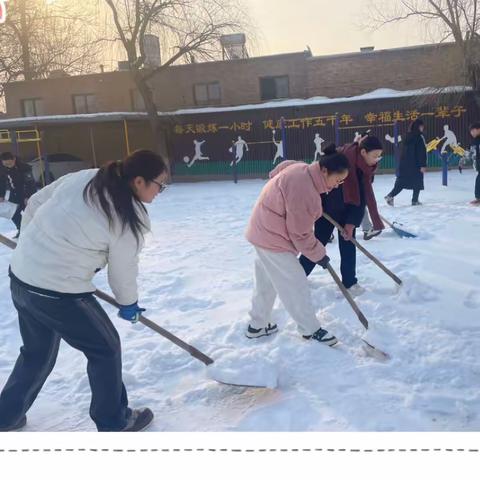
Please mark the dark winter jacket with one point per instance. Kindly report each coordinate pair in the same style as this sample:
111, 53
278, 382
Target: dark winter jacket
19, 181
344, 213
414, 157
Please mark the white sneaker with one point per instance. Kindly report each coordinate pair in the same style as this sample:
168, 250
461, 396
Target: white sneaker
356, 290
270, 329
368, 235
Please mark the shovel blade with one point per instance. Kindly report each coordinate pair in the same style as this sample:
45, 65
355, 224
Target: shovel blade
402, 233
375, 352
243, 385
238, 375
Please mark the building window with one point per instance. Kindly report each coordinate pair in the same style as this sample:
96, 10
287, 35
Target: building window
84, 103
207, 93
138, 104
32, 107
274, 87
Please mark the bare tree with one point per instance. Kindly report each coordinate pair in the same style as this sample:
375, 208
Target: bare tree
40, 36
457, 21
189, 31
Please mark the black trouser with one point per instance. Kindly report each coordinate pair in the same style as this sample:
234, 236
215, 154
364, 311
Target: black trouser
348, 252
83, 324
477, 187
17, 217
397, 188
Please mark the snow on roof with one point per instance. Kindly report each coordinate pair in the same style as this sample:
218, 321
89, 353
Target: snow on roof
381, 93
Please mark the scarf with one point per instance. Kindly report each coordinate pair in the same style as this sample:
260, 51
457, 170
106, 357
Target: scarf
351, 186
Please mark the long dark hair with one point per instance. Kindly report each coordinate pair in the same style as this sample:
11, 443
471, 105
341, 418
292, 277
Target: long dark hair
112, 186
415, 126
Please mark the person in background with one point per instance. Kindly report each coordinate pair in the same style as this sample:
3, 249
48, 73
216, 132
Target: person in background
346, 206
475, 150
71, 229
17, 179
413, 164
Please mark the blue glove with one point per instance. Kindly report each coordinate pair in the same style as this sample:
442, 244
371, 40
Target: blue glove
130, 312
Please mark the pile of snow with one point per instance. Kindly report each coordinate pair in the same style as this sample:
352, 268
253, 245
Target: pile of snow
196, 280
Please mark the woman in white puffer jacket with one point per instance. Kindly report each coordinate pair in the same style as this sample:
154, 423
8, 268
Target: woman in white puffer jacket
71, 229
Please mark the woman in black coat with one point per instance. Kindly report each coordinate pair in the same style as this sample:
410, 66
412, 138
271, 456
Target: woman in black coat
413, 164
16, 177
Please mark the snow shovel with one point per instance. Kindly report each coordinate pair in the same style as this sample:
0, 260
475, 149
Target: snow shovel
368, 347
399, 231
374, 259
268, 383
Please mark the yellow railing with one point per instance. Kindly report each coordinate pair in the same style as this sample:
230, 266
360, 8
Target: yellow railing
5, 136
24, 136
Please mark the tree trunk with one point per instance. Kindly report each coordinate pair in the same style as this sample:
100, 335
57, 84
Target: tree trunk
24, 42
154, 120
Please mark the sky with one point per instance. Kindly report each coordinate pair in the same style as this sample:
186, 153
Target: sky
327, 26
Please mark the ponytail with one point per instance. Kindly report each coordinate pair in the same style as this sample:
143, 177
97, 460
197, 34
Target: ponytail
111, 187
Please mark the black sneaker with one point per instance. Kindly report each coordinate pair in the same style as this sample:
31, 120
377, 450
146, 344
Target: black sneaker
261, 332
139, 420
370, 234
416, 203
322, 336
389, 200
16, 235
18, 426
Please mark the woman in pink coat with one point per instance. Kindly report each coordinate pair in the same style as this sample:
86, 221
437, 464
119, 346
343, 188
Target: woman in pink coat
281, 227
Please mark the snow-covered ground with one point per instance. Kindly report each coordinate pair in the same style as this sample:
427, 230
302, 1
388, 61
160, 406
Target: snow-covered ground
196, 280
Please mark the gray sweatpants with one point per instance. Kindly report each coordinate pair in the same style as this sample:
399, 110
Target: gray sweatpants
280, 273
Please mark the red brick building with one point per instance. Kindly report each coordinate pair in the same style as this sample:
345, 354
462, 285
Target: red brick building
242, 81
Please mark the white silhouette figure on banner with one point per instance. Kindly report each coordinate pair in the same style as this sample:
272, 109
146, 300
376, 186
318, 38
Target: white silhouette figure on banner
318, 140
391, 139
357, 137
450, 140
240, 147
198, 154
3, 11
279, 145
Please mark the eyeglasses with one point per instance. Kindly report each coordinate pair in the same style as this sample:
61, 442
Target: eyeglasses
161, 186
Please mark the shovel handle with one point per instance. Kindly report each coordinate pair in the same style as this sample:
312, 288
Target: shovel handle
148, 323
165, 333
374, 259
346, 294
386, 221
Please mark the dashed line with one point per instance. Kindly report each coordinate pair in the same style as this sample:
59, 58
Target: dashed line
238, 450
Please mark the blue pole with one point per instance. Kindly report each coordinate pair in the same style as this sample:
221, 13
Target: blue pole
444, 170
337, 130
284, 137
